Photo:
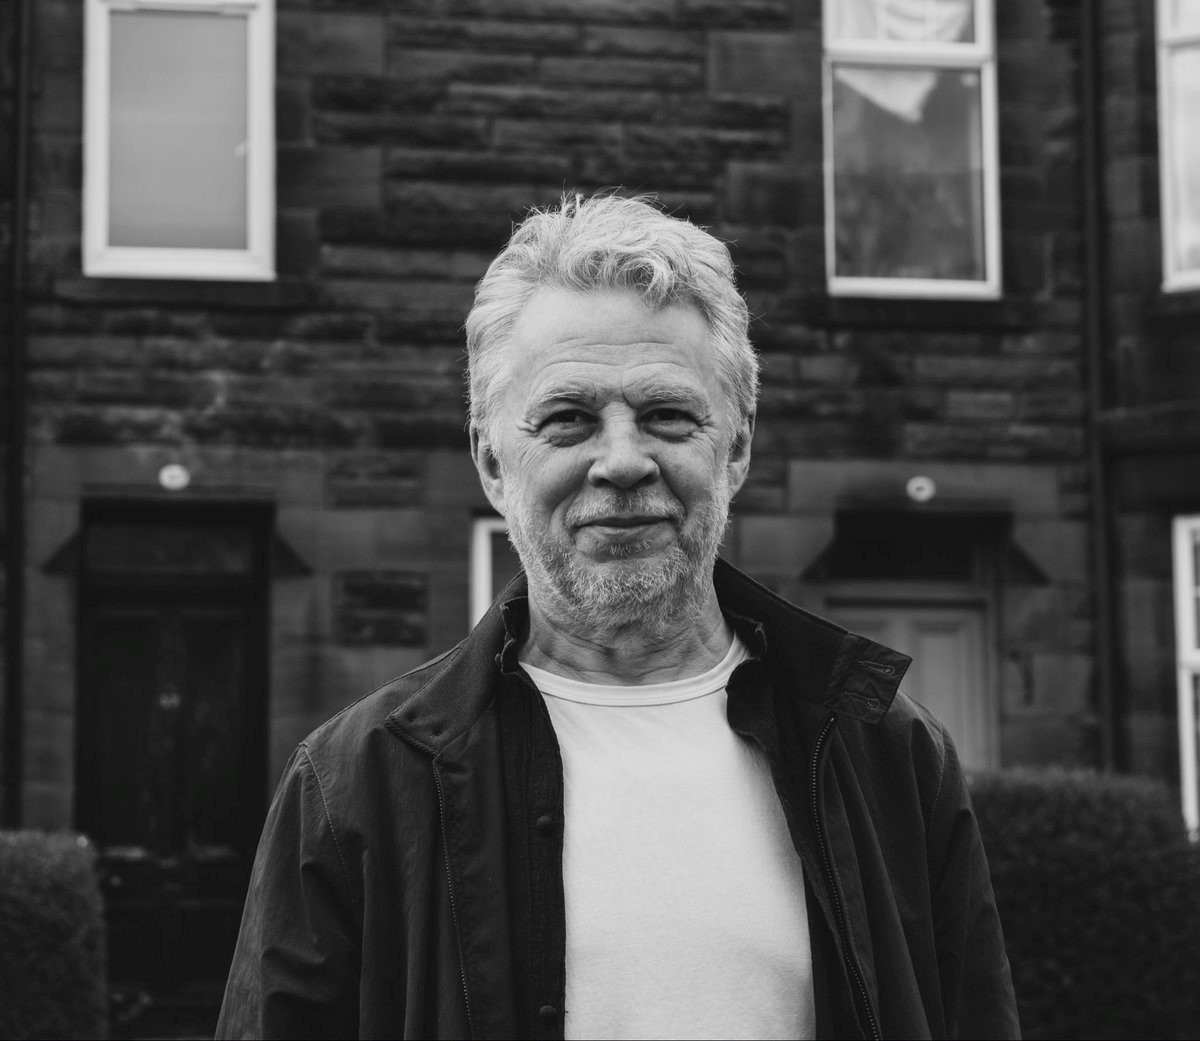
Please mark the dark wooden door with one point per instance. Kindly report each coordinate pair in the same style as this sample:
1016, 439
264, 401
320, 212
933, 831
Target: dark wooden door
171, 763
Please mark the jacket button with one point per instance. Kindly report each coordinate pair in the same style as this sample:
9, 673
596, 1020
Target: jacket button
548, 1013
545, 824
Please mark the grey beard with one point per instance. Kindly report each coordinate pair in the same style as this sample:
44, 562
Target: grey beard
656, 597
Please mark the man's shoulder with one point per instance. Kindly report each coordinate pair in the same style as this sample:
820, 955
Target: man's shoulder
363, 720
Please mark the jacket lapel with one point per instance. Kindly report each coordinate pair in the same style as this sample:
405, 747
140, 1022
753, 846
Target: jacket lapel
452, 720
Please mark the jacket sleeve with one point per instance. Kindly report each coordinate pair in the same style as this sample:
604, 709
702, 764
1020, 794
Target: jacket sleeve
295, 969
976, 983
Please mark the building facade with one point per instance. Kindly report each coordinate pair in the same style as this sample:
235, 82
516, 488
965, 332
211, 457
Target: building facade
236, 347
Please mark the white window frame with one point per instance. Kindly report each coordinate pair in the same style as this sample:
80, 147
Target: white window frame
254, 263
979, 56
482, 593
1175, 279
1187, 656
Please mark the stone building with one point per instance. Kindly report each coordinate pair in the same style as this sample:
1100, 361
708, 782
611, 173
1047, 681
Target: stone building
243, 239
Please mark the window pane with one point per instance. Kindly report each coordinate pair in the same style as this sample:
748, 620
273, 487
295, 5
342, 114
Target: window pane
1183, 72
907, 173
178, 126
907, 21
1182, 16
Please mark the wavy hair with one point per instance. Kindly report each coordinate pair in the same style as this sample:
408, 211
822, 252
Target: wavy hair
609, 241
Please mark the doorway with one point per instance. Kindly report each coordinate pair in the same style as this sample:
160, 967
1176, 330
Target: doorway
924, 582
171, 751
948, 674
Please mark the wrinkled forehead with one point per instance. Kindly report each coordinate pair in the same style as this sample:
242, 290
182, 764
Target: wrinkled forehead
564, 330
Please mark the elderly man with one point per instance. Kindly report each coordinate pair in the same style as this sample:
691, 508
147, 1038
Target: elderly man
645, 797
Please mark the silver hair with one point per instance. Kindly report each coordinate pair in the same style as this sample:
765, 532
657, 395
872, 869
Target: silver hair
609, 241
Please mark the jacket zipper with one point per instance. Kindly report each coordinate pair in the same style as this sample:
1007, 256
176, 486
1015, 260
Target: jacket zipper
831, 879
462, 970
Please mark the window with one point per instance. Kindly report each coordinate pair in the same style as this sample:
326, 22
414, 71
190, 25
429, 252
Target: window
911, 192
179, 151
494, 563
1187, 652
1179, 145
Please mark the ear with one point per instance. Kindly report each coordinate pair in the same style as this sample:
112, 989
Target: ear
487, 464
738, 465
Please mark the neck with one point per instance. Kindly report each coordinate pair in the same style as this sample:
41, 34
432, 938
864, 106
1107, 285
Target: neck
628, 655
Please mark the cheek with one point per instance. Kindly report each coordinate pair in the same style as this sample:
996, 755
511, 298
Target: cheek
546, 479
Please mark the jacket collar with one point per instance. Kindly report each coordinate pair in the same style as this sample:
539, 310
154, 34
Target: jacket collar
837, 670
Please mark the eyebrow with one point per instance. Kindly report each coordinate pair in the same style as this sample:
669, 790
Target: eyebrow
653, 392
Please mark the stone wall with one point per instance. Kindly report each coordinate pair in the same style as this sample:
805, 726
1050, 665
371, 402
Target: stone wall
411, 134
7, 129
1152, 373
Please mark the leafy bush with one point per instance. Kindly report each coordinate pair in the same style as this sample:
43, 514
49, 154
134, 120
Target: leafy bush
1099, 892
51, 938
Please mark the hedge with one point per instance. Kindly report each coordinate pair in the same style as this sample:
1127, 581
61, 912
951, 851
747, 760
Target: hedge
1099, 893
52, 948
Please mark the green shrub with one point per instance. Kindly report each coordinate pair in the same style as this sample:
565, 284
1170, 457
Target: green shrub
1099, 893
51, 938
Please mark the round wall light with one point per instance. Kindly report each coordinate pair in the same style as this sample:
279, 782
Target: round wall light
920, 488
174, 477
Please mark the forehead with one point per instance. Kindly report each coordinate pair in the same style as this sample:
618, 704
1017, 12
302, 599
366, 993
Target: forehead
598, 338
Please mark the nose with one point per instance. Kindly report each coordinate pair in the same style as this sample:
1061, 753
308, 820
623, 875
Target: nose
623, 458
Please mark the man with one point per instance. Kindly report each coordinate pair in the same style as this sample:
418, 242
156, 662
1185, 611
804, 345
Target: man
645, 797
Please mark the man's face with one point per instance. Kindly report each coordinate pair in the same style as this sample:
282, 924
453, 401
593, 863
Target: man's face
615, 454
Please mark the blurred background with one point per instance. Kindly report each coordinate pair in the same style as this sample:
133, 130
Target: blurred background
239, 242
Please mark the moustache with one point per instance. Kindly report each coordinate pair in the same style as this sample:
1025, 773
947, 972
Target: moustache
625, 506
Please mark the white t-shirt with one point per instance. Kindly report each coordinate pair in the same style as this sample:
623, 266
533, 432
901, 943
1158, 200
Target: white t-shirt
685, 905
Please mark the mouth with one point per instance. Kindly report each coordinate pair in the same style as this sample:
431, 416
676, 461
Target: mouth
626, 521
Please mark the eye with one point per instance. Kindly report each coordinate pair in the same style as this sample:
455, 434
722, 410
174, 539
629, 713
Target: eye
567, 425
669, 420
566, 417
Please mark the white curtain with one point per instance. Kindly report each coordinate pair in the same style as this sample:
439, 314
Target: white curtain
899, 91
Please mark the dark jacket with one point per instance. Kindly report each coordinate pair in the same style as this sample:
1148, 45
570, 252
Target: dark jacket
409, 878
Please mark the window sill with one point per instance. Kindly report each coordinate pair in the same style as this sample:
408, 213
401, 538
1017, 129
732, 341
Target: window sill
1165, 312
909, 313
278, 294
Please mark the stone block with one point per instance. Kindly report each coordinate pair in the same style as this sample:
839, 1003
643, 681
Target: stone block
979, 405
760, 62
762, 193
381, 608
1042, 739
47, 806
1051, 405
550, 136
1153, 742
293, 108
427, 66
58, 30
748, 13
785, 544
445, 164
282, 426
329, 176
704, 142
659, 73
1059, 547
597, 10
642, 42
993, 371
422, 297
58, 103
484, 34
297, 242
311, 42
453, 482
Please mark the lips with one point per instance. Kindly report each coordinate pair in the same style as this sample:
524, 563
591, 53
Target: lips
637, 521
